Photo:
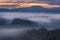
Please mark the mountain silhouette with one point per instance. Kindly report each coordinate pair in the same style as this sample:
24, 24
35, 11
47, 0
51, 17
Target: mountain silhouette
31, 9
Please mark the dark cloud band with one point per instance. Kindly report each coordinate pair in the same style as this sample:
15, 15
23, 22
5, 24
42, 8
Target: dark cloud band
56, 2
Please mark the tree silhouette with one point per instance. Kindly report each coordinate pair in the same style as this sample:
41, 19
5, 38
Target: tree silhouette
23, 22
2, 22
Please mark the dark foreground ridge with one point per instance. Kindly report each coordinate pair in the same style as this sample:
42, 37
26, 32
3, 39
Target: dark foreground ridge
41, 34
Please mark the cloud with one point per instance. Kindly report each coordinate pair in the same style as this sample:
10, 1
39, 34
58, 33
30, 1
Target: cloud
18, 0
41, 18
56, 2
12, 32
36, 17
41, 1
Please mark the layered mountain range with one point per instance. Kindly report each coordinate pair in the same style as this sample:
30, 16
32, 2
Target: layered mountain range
31, 9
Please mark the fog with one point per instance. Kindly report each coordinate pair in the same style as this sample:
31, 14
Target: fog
40, 18
36, 17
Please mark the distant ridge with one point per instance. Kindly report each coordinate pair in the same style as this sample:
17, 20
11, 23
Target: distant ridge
31, 9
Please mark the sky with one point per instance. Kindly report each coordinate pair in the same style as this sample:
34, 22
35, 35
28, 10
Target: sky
43, 3
56, 2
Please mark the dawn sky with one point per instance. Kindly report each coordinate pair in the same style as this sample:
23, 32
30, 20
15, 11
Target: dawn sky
41, 1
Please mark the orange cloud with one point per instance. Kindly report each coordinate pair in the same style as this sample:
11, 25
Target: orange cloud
38, 4
26, 4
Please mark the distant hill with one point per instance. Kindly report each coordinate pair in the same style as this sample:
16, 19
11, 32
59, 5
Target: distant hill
17, 21
23, 22
31, 9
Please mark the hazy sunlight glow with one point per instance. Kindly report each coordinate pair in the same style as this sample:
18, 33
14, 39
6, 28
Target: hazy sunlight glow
26, 4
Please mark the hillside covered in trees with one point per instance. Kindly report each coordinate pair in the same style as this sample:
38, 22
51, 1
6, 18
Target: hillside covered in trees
32, 34
40, 34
